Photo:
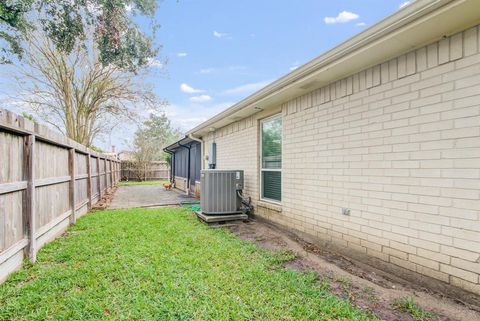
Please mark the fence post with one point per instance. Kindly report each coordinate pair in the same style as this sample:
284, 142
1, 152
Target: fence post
112, 169
71, 189
98, 180
89, 183
111, 174
105, 178
30, 197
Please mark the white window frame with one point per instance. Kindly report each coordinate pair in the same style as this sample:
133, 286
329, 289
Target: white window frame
269, 200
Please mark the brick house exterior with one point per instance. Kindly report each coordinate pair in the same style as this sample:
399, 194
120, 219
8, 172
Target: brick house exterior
396, 142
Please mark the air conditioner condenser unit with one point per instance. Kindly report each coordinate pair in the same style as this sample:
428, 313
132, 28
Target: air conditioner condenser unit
221, 192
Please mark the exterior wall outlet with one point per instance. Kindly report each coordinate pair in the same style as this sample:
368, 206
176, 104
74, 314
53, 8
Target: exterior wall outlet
345, 211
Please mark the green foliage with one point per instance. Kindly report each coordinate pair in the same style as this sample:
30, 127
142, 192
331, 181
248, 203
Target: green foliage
150, 139
69, 22
281, 257
13, 24
96, 149
408, 305
162, 264
156, 133
29, 117
344, 282
168, 158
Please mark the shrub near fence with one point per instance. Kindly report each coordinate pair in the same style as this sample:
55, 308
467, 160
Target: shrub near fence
47, 181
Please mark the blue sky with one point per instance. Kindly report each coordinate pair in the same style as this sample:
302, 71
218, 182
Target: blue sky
226, 50
219, 52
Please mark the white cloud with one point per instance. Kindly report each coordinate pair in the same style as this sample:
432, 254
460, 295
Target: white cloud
200, 99
206, 71
219, 34
237, 68
361, 24
182, 54
155, 63
15, 103
246, 88
404, 4
294, 66
190, 90
342, 17
185, 117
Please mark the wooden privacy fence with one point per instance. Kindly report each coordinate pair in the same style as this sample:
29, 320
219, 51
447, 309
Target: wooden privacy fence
154, 171
47, 181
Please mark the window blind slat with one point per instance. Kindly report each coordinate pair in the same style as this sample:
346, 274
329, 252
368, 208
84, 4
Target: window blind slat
272, 185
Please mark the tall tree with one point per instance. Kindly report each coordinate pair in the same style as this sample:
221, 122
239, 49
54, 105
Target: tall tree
150, 139
76, 93
119, 39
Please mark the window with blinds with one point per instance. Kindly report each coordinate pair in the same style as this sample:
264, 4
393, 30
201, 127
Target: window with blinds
271, 160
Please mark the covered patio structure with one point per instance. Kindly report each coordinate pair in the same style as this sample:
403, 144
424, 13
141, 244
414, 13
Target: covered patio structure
186, 165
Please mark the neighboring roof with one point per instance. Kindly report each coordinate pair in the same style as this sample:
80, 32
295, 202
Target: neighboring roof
183, 141
416, 25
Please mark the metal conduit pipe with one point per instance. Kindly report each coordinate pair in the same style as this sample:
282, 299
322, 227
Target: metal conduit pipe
172, 164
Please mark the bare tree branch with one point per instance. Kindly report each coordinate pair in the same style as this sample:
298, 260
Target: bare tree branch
77, 94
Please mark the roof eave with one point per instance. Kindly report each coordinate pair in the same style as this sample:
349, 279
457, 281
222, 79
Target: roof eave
183, 141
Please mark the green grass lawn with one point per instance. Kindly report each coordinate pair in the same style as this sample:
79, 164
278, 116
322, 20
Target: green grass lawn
135, 183
161, 264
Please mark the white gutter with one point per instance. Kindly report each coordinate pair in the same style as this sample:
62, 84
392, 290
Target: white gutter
382, 29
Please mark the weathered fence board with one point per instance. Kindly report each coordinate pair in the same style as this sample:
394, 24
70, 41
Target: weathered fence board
154, 171
46, 182
29, 216
13, 218
11, 149
95, 180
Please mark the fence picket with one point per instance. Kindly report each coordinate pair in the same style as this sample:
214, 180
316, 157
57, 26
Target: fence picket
89, 183
30, 223
71, 188
44, 187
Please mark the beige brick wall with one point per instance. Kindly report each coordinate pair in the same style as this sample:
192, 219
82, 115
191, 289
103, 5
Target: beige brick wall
398, 144
237, 149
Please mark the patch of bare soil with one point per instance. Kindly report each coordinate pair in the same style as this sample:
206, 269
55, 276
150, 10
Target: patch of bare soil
105, 200
348, 279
